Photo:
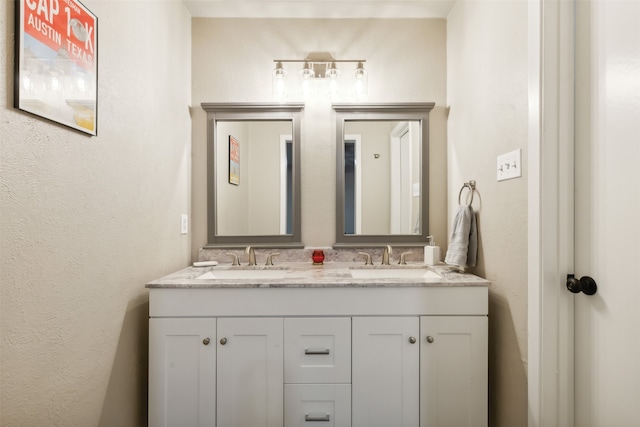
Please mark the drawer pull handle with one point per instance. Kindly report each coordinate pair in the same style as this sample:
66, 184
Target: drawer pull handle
316, 351
206, 341
223, 341
324, 417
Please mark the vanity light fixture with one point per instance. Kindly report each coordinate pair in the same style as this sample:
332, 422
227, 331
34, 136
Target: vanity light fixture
320, 66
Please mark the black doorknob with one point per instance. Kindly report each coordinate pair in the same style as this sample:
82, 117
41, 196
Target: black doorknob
585, 285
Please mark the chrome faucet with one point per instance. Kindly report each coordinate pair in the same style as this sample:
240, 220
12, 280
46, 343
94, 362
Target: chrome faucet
385, 255
252, 255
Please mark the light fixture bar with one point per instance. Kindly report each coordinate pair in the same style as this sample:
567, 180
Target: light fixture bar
322, 61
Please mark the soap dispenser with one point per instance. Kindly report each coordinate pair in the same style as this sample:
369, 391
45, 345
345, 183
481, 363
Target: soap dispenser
431, 252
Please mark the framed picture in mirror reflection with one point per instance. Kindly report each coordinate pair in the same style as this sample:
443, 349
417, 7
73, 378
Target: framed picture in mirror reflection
234, 161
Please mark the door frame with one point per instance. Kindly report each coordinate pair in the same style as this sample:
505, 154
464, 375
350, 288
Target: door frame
400, 214
356, 139
550, 212
284, 140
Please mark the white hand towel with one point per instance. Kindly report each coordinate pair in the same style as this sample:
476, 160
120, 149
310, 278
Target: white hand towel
463, 242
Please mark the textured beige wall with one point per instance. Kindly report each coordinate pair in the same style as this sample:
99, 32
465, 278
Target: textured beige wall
487, 97
85, 222
233, 62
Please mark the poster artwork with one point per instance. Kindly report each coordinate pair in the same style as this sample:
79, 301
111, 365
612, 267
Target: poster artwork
234, 161
56, 62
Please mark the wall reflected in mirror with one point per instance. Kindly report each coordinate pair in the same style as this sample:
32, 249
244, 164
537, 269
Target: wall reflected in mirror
382, 177
261, 203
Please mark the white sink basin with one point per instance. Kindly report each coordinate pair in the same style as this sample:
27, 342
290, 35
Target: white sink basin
394, 273
243, 274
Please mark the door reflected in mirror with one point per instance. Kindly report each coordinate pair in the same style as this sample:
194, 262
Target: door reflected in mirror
386, 155
254, 178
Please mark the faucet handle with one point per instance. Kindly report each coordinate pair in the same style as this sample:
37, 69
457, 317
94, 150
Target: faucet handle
270, 258
235, 258
403, 256
367, 259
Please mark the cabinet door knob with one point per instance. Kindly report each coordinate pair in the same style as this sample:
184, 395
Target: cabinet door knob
412, 340
430, 339
206, 341
223, 341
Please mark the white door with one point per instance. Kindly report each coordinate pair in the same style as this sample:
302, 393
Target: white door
385, 381
607, 325
250, 378
400, 149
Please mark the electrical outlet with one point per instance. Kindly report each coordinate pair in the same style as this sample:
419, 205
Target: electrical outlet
510, 165
184, 224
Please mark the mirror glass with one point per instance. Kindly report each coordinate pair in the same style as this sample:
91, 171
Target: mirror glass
382, 183
253, 169
253, 178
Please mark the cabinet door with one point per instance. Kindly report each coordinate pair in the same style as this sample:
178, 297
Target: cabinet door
453, 367
385, 380
182, 372
250, 372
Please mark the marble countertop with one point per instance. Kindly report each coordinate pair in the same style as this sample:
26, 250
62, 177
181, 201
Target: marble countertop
306, 275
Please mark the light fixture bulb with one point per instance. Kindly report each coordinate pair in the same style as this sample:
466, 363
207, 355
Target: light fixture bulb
361, 80
279, 71
278, 80
332, 70
360, 71
307, 70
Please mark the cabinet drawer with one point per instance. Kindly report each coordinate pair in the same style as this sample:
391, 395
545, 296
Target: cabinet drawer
317, 405
317, 350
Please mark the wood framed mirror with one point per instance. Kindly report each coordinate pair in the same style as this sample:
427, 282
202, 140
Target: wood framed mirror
382, 174
253, 174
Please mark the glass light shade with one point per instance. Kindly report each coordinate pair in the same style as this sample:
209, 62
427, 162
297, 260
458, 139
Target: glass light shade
307, 70
361, 83
332, 71
278, 86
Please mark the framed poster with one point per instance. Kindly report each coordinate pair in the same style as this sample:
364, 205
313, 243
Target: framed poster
56, 64
234, 161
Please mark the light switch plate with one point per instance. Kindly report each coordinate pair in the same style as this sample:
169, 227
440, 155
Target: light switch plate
184, 224
510, 165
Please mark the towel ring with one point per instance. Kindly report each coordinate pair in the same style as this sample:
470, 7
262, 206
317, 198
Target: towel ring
471, 185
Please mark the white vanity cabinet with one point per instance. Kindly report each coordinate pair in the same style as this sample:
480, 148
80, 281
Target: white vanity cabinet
341, 356
428, 371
